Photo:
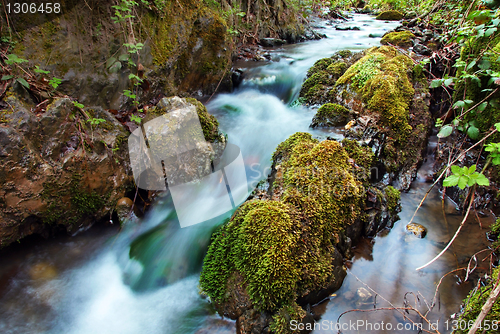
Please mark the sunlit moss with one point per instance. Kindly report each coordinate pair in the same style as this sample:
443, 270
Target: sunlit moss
401, 38
330, 114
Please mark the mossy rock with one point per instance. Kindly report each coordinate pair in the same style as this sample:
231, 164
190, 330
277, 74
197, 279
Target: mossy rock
284, 247
402, 38
331, 114
390, 15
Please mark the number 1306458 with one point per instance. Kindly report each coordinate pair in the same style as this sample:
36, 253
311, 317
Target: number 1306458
33, 8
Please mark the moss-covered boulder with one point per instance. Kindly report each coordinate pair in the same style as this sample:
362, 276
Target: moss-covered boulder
401, 38
389, 96
59, 169
280, 253
390, 15
331, 114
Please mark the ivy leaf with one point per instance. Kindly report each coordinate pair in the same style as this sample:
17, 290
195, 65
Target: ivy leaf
473, 132
115, 68
451, 181
482, 180
23, 82
124, 57
448, 82
110, 62
484, 64
445, 131
7, 77
497, 126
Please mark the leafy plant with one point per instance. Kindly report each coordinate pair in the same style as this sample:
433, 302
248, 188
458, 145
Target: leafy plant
14, 59
78, 105
55, 82
494, 149
136, 119
95, 121
463, 177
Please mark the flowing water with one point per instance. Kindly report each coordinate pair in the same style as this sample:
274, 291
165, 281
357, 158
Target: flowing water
144, 278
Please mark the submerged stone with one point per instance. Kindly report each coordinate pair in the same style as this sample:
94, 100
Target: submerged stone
418, 230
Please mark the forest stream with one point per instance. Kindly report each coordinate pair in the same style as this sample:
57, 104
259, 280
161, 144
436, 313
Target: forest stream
89, 283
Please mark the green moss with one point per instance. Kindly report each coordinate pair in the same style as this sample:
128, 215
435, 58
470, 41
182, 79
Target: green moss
362, 156
390, 15
337, 69
393, 198
69, 201
331, 114
282, 318
314, 83
284, 248
475, 301
382, 78
319, 66
209, 123
402, 38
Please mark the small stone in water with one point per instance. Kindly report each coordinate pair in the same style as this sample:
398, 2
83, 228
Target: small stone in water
418, 230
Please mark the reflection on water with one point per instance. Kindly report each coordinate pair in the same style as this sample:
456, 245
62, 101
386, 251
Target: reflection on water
105, 281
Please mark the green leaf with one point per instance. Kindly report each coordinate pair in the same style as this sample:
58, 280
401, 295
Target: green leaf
471, 65
490, 32
482, 180
482, 106
472, 169
23, 82
469, 102
115, 68
459, 104
462, 182
448, 82
39, 70
7, 77
110, 62
497, 126
445, 131
457, 170
496, 161
484, 64
436, 83
124, 57
451, 181
473, 132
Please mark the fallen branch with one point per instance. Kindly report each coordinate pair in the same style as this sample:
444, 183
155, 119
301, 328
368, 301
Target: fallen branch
486, 307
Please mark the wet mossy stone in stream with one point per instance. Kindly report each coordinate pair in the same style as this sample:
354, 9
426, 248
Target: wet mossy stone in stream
401, 38
284, 247
390, 15
331, 114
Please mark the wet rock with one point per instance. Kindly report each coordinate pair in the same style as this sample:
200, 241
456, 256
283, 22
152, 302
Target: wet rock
390, 15
410, 15
422, 49
418, 230
270, 42
346, 27
237, 76
332, 115
124, 210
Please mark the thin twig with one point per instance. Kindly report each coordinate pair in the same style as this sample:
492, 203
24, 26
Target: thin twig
454, 237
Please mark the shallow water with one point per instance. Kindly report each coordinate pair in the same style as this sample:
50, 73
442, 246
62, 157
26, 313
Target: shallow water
89, 284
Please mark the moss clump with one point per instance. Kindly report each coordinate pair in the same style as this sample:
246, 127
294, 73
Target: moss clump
393, 197
319, 66
287, 313
362, 156
69, 201
382, 78
209, 123
331, 114
315, 83
475, 301
402, 38
283, 248
390, 15
337, 69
